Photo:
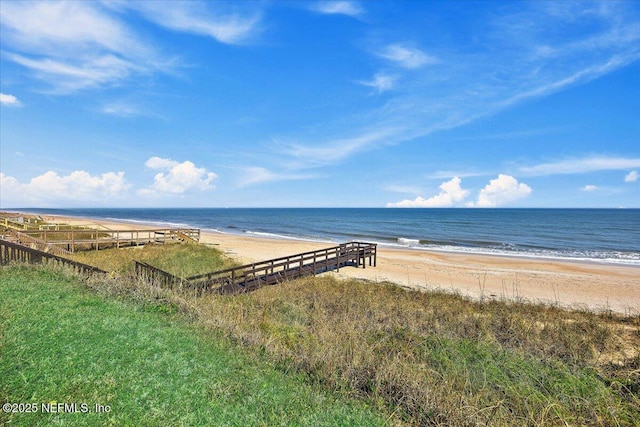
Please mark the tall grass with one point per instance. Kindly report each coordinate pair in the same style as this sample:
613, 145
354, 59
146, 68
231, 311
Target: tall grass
181, 260
440, 359
427, 358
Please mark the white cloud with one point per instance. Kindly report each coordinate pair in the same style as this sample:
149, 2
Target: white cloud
74, 45
160, 163
339, 149
348, 8
7, 182
501, 191
178, 178
450, 193
45, 26
381, 82
406, 57
11, 100
581, 165
631, 176
78, 186
256, 175
233, 27
590, 187
69, 75
124, 109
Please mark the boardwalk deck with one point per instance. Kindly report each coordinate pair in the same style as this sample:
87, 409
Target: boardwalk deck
251, 276
233, 280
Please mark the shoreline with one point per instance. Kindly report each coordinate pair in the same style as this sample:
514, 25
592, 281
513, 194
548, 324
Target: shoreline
386, 245
580, 284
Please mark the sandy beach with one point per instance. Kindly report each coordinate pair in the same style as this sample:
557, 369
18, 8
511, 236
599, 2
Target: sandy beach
569, 284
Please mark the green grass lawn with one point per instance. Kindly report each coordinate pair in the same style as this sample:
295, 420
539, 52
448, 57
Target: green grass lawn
60, 342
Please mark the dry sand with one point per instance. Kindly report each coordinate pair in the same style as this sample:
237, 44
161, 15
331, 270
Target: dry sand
594, 286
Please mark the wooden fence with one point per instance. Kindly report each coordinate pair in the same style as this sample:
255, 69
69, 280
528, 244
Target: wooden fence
156, 276
15, 252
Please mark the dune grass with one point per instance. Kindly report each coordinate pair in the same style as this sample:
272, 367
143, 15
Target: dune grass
424, 358
439, 359
61, 343
182, 260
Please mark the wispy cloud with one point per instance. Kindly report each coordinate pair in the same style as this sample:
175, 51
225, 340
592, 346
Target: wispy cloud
406, 56
74, 45
231, 26
381, 82
69, 76
348, 8
457, 89
405, 189
256, 175
126, 109
590, 188
459, 173
71, 46
581, 165
310, 155
631, 176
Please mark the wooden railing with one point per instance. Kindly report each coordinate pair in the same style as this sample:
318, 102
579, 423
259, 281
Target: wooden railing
15, 252
189, 234
76, 238
250, 276
156, 276
35, 243
13, 225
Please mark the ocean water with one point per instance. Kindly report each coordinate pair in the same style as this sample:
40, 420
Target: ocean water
602, 235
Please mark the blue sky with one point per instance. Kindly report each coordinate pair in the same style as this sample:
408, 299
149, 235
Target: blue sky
213, 104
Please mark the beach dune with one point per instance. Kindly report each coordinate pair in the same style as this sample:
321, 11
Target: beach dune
570, 284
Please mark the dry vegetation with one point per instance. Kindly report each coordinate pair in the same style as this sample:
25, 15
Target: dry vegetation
428, 358
440, 359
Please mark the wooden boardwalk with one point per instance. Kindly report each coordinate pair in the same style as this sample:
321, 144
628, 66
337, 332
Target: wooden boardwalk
251, 276
88, 238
